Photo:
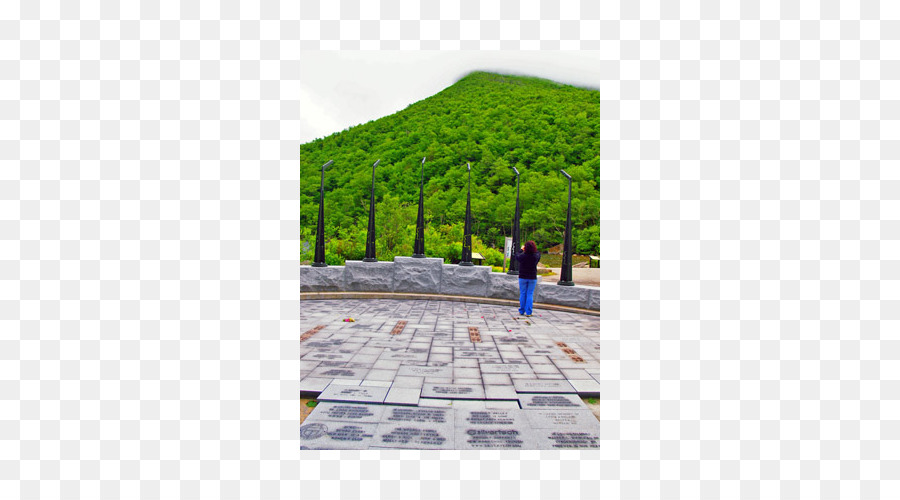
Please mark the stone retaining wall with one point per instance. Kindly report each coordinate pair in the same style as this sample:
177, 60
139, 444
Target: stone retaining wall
430, 275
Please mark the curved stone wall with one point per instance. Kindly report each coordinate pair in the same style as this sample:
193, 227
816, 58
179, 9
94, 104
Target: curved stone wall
432, 276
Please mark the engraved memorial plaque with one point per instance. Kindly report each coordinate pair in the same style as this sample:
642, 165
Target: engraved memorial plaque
336, 436
493, 439
470, 354
425, 371
505, 368
579, 440
364, 394
327, 356
480, 418
345, 412
543, 386
416, 428
560, 419
550, 401
340, 372
453, 391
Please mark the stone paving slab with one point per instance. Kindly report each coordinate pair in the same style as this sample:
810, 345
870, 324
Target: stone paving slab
347, 412
336, 436
417, 428
500, 392
376, 383
495, 438
506, 368
550, 401
360, 369
416, 436
313, 384
327, 356
338, 372
453, 391
562, 419
425, 371
586, 388
491, 417
543, 386
549, 439
346, 381
403, 395
353, 394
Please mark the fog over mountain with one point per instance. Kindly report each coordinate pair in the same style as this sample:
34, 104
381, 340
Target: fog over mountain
340, 89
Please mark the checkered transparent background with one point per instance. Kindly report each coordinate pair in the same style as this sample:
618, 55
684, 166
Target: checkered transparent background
148, 298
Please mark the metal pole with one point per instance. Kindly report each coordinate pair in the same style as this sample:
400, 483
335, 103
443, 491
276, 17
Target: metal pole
370, 234
467, 228
319, 260
419, 244
513, 263
565, 274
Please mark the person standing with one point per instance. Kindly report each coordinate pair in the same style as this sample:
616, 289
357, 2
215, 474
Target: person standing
528, 259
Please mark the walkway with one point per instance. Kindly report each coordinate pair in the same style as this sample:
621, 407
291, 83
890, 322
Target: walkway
424, 374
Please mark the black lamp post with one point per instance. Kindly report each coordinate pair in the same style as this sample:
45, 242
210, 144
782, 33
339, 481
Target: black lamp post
467, 228
565, 274
513, 262
319, 260
370, 234
419, 244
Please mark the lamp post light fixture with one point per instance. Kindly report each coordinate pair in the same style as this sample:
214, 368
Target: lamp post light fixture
370, 234
419, 244
513, 262
319, 259
565, 274
467, 228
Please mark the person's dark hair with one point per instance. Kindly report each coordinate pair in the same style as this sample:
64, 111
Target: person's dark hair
530, 247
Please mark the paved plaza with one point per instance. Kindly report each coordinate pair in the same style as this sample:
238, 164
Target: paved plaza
428, 374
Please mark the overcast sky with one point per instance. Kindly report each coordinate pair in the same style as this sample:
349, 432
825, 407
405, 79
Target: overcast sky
340, 89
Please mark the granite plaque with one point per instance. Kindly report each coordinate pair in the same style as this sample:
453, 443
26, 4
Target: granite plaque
577, 440
405, 356
493, 438
416, 428
336, 436
328, 356
338, 372
550, 401
543, 386
453, 391
356, 394
418, 415
537, 351
560, 419
410, 437
480, 418
425, 371
505, 368
463, 353
331, 344
513, 340
344, 412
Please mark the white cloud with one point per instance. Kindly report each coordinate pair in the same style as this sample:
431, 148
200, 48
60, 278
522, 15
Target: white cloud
340, 89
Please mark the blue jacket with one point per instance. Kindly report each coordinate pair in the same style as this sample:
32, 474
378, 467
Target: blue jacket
528, 265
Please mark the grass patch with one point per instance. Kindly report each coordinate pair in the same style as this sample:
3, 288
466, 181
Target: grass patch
312, 404
556, 260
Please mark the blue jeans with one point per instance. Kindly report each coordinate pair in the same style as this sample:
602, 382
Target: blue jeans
526, 295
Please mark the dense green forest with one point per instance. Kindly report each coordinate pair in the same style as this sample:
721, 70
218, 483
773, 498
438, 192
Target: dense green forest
493, 121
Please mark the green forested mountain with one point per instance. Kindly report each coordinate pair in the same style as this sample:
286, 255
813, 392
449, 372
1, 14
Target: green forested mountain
492, 121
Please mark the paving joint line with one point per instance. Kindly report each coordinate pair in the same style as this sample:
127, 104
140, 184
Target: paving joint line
448, 298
